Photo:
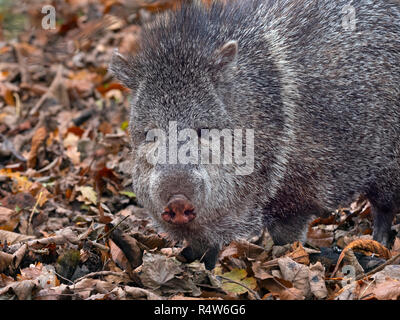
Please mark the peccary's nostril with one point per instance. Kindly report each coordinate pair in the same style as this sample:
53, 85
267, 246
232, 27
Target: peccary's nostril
179, 211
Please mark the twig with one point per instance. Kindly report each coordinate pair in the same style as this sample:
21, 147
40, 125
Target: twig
100, 273
378, 268
59, 275
34, 208
255, 294
369, 284
112, 229
25, 77
98, 245
49, 92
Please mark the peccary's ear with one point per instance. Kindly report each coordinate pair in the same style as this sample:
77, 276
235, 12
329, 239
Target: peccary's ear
226, 55
121, 68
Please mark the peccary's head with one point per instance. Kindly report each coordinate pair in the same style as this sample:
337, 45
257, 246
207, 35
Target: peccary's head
181, 92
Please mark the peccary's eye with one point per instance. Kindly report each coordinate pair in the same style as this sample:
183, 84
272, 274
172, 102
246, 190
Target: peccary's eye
147, 136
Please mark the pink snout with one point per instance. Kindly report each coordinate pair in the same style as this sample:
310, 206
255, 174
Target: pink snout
179, 211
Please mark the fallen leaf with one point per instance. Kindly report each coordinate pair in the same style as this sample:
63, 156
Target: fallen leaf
37, 140
13, 237
388, 290
317, 280
8, 219
157, 270
5, 260
240, 276
88, 194
296, 273
365, 246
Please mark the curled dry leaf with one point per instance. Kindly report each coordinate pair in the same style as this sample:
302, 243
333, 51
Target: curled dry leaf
129, 246
19, 255
366, 247
320, 237
119, 257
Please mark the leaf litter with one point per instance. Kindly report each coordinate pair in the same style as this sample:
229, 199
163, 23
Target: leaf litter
70, 225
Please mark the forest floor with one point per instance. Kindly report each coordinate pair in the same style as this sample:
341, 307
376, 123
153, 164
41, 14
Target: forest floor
70, 225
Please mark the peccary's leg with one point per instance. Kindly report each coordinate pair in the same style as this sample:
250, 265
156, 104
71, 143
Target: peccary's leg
208, 256
383, 218
384, 197
287, 227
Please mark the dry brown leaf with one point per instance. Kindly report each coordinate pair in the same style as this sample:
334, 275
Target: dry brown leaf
241, 249
140, 293
292, 294
296, 273
319, 237
299, 254
129, 246
390, 271
152, 241
5, 260
157, 270
8, 219
366, 247
388, 290
19, 255
261, 272
37, 139
119, 257
317, 280
396, 247
22, 289
12, 237
9, 98
5, 280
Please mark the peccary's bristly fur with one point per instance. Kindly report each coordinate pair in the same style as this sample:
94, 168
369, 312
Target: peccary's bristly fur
319, 86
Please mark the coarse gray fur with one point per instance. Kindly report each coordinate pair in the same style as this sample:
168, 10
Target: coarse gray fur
323, 99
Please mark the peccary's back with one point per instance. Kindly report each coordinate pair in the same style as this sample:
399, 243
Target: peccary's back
347, 69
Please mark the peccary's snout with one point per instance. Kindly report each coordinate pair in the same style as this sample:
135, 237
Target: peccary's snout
179, 211
178, 193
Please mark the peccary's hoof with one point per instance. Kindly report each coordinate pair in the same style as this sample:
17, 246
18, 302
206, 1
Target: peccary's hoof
188, 254
209, 258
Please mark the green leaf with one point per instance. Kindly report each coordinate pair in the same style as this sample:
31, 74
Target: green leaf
124, 125
128, 194
238, 275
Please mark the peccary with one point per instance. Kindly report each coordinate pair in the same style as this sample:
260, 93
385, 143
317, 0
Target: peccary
319, 83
